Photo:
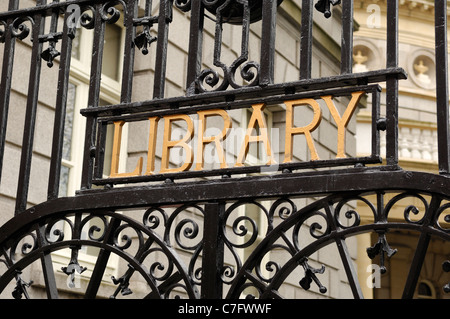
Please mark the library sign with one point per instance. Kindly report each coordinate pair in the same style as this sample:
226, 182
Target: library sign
257, 134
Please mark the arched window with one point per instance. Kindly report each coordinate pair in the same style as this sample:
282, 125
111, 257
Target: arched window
425, 290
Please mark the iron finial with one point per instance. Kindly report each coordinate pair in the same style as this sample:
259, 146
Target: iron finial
324, 6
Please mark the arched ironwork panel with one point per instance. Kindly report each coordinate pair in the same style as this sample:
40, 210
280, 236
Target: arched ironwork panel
168, 248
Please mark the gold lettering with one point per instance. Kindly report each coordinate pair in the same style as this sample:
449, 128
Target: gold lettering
118, 125
256, 123
202, 140
306, 130
152, 145
343, 121
168, 144
257, 118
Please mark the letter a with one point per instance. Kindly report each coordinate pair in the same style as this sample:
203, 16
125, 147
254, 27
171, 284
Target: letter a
257, 118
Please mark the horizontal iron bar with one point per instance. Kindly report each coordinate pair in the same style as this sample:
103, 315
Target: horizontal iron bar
47, 9
307, 184
248, 93
145, 20
240, 170
158, 108
360, 180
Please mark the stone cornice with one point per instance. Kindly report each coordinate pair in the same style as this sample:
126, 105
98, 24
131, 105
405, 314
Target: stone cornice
425, 6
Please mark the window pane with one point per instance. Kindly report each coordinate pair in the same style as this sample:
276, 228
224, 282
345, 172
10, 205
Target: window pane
64, 181
68, 125
76, 46
67, 142
111, 54
424, 290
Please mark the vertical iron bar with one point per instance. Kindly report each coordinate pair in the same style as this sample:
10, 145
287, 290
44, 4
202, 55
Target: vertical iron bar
128, 60
269, 20
54, 19
100, 149
306, 40
102, 261
165, 17
416, 266
5, 84
195, 46
148, 8
421, 250
349, 268
94, 98
347, 37
392, 85
49, 276
60, 110
392, 34
380, 217
442, 97
218, 33
346, 259
213, 252
47, 266
30, 114
375, 118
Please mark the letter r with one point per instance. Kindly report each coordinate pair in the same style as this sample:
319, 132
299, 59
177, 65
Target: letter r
305, 130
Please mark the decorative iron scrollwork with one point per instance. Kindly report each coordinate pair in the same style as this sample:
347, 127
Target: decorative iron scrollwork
27, 246
87, 18
109, 13
73, 267
19, 29
351, 215
3, 30
152, 221
284, 208
20, 290
381, 248
50, 54
123, 283
324, 6
443, 223
410, 210
232, 10
249, 70
267, 244
78, 17
183, 5
310, 276
52, 38
144, 39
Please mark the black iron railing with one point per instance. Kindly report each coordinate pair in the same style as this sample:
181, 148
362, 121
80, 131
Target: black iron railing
37, 232
205, 89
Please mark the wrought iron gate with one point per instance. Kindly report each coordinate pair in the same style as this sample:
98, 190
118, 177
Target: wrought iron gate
187, 237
